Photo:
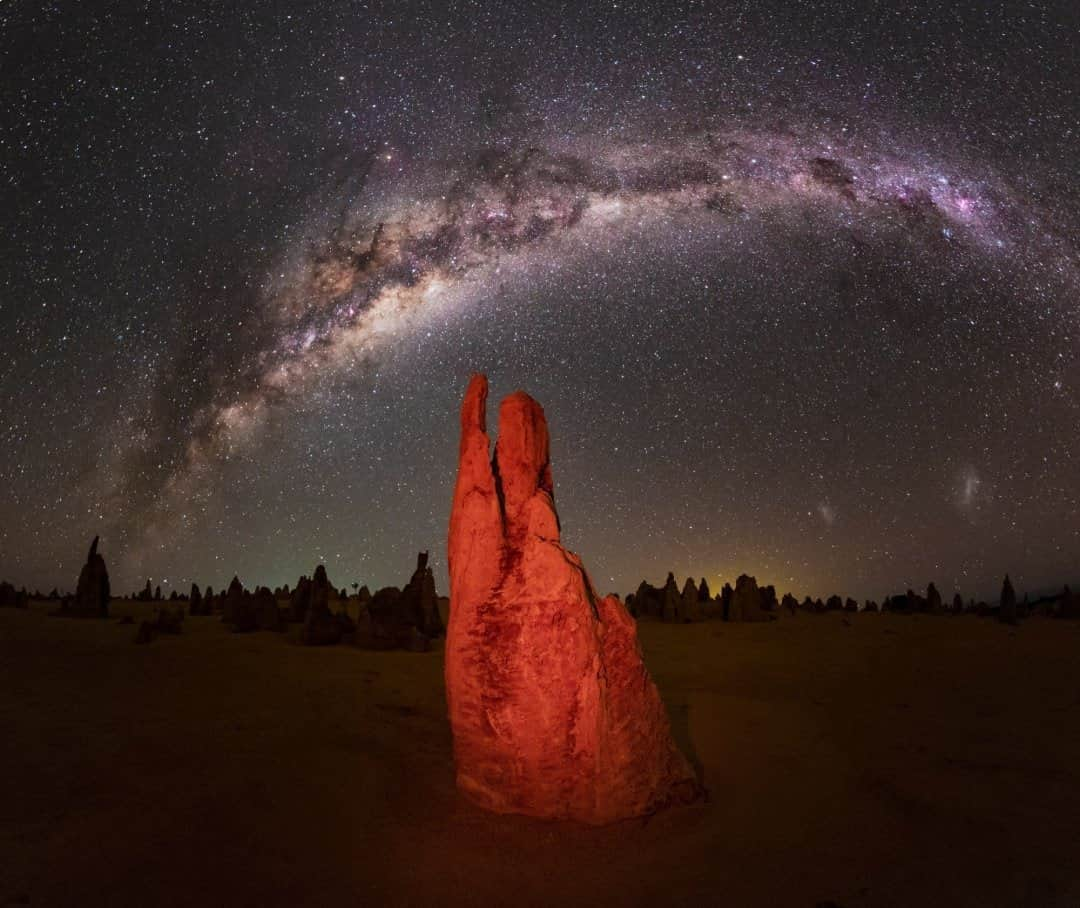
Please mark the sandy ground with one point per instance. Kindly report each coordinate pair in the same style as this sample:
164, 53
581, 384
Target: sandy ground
883, 760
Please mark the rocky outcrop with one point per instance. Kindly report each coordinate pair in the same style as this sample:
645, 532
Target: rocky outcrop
195, 601
647, 602
418, 606
1068, 605
265, 610
1007, 602
726, 595
690, 608
321, 626
769, 603
671, 600
92, 592
747, 603
300, 600
12, 598
233, 606
933, 600
552, 710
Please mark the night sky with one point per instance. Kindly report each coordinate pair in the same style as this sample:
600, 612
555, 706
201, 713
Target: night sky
798, 286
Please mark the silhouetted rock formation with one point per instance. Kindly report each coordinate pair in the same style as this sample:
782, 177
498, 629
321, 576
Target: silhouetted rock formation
1069, 604
671, 600
552, 710
321, 626
418, 606
790, 603
195, 601
92, 592
667, 603
238, 608
957, 604
12, 598
690, 604
769, 602
906, 603
647, 602
933, 600
726, 595
1007, 602
708, 607
265, 610
300, 600
870, 606
747, 602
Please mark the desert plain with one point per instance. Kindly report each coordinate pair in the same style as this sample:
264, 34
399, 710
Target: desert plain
850, 760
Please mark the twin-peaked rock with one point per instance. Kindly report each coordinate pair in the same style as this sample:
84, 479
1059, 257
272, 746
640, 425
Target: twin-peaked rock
552, 710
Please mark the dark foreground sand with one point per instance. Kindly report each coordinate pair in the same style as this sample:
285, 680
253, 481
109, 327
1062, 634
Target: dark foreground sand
892, 761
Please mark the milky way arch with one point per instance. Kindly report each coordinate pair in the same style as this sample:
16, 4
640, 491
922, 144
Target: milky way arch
363, 282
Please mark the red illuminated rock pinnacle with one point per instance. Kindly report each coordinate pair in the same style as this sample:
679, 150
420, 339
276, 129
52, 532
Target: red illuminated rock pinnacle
552, 709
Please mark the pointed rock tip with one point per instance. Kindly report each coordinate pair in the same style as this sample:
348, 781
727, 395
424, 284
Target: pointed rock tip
474, 404
522, 450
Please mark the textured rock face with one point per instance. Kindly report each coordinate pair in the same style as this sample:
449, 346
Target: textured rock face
552, 709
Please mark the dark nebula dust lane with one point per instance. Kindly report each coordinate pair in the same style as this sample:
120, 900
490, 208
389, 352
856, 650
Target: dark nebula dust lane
799, 332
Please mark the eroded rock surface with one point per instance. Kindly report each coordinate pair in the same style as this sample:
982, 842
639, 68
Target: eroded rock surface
552, 709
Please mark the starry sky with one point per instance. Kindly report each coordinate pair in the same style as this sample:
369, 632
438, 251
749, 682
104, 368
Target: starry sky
797, 284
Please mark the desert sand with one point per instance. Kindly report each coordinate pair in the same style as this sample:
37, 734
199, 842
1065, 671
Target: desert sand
850, 761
